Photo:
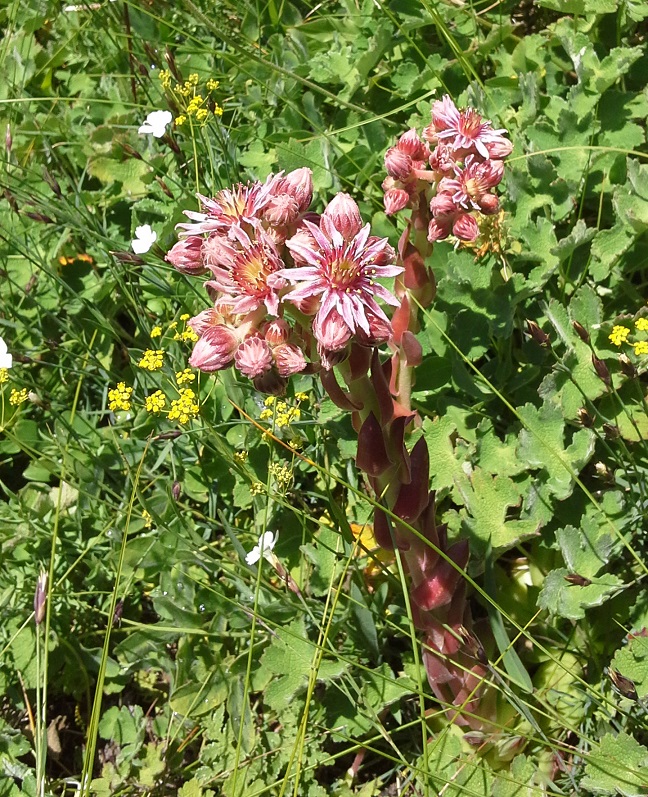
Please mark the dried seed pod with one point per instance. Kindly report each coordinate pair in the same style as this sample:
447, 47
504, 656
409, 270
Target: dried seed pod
473, 646
602, 371
611, 432
582, 333
52, 182
540, 337
585, 418
624, 685
578, 580
40, 598
627, 368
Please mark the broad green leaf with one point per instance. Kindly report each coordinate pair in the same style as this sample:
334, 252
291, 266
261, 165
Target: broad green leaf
632, 661
561, 598
618, 765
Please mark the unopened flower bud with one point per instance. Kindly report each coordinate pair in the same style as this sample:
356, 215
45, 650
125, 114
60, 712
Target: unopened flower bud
276, 332
186, 255
499, 148
40, 598
253, 357
582, 333
289, 359
299, 184
176, 489
127, 257
395, 199
411, 145
130, 151
165, 188
343, 211
465, 227
8, 139
398, 164
173, 67
602, 371
603, 472
611, 431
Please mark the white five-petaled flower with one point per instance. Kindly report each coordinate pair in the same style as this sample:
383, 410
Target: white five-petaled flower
155, 124
144, 239
5, 358
266, 544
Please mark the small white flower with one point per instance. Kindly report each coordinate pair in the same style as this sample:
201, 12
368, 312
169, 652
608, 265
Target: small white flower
5, 358
144, 239
266, 544
155, 124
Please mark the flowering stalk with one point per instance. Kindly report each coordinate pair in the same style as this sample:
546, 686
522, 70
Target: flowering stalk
297, 292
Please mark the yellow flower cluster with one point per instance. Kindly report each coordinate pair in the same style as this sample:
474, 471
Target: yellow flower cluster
240, 457
156, 332
18, 396
152, 360
619, 334
283, 475
165, 78
186, 336
119, 397
256, 488
283, 414
184, 408
4, 376
148, 520
197, 106
155, 403
182, 377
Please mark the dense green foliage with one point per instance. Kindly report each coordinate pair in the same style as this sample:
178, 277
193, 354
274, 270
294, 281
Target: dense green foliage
164, 663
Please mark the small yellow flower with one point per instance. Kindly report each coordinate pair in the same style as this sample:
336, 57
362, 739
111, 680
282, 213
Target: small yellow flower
266, 415
4, 376
165, 78
202, 114
185, 317
156, 332
185, 376
212, 84
152, 360
218, 111
180, 120
193, 79
188, 336
283, 475
18, 396
119, 397
173, 325
619, 334
642, 324
641, 347
240, 456
184, 408
270, 401
256, 488
148, 520
156, 402
301, 396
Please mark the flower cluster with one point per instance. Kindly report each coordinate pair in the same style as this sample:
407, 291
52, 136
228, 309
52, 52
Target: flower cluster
291, 289
620, 334
449, 173
185, 408
196, 107
152, 360
119, 398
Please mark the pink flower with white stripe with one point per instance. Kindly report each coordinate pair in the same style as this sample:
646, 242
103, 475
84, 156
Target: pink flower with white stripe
246, 270
464, 131
342, 274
